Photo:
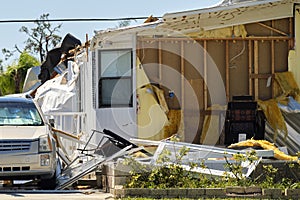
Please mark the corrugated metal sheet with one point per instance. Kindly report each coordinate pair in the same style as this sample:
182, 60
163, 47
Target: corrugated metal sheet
228, 13
292, 140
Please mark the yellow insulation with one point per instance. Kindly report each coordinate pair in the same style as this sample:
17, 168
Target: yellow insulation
273, 116
175, 125
287, 84
227, 32
267, 146
284, 86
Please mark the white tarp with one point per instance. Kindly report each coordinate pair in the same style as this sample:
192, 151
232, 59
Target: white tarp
57, 94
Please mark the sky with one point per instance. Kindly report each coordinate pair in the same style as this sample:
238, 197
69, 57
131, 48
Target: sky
58, 9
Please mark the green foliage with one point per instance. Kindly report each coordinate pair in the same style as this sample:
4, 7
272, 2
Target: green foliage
42, 37
124, 23
270, 173
236, 169
164, 176
7, 83
7, 53
167, 174
12, 80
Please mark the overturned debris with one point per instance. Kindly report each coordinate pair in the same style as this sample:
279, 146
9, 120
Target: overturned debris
110, 147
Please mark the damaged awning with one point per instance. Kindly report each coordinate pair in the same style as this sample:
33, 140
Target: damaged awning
228, 14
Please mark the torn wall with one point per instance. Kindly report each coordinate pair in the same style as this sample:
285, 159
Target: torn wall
246, 62
155, 120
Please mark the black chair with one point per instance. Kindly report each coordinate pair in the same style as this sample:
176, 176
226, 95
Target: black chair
243, 120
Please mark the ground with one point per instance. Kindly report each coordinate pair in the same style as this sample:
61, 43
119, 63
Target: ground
61, 195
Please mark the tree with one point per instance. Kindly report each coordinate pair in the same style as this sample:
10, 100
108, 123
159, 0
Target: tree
123, 23
42, 37
1, 66
12, 80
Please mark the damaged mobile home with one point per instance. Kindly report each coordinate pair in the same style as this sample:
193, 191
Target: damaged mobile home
212, 76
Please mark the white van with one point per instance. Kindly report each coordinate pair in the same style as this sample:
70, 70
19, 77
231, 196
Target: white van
27, 146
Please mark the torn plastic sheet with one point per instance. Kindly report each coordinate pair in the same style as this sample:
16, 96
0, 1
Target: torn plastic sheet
292, 107
59, 93
54, 95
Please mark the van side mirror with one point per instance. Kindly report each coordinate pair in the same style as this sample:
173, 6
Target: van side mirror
52, 122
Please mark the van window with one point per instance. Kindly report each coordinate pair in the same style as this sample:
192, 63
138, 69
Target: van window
20, 114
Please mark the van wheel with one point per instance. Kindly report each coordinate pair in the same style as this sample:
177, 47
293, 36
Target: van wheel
48, 184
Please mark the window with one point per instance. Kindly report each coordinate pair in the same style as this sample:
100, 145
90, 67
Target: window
115, 82
21, 114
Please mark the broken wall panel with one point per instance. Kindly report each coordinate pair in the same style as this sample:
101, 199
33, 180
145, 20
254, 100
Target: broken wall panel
243, 64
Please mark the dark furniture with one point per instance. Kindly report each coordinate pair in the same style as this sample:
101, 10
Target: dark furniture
243, 120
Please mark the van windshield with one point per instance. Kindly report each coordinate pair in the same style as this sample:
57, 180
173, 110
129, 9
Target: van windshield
19, 114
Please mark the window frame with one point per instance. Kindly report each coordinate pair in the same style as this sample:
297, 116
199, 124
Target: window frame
101, 104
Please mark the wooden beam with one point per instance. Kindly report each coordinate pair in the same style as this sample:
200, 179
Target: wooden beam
261, 76
227, 71
256, 70
205, 74
159, 62
272, 62
182, 74
272, 29
250, 66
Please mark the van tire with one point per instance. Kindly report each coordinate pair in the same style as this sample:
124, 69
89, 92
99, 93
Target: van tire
48, 184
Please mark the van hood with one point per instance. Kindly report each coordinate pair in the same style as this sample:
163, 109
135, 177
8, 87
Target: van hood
22, 132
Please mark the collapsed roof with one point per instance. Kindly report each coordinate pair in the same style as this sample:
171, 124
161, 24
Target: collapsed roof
225, 14
228, 13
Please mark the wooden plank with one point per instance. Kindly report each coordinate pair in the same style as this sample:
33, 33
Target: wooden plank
272, 62
256, 71
250, 66
272, 29
227, 71
205, 74
261, 76
182, 74
159, 62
